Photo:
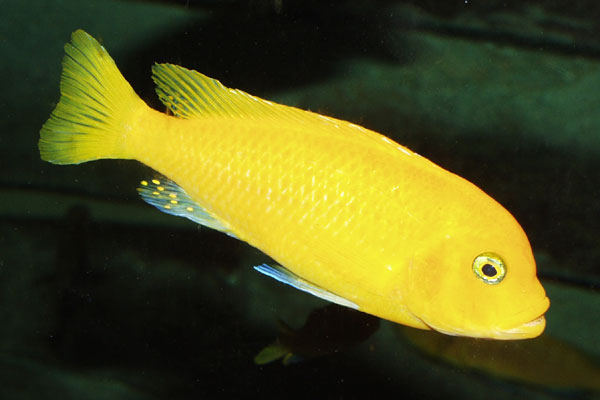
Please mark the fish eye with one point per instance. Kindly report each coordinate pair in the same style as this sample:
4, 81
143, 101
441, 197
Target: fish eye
489, 267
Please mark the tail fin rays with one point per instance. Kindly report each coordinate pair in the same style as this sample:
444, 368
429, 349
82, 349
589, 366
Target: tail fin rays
95, 110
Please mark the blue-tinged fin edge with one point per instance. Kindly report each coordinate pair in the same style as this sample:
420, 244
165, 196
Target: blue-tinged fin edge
170, 198
283, 275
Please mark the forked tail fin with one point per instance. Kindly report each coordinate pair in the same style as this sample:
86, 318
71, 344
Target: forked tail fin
96, 108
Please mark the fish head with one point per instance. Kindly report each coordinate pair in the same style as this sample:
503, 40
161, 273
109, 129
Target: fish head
478, 280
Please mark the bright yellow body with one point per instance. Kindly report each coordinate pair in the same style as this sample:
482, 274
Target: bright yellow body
320, 199
338, 205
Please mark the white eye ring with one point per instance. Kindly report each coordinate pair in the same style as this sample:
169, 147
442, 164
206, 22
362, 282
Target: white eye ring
489, 267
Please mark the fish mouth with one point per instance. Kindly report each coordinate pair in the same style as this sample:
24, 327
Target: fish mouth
528, 330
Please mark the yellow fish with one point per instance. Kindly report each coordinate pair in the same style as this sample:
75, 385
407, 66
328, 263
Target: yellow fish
350, 215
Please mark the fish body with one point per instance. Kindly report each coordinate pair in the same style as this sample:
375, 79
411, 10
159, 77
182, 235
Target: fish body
346, 211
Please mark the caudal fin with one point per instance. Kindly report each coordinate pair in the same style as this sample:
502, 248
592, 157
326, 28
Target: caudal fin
95, 110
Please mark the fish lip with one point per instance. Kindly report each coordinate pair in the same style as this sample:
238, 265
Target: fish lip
535, 322
527, 330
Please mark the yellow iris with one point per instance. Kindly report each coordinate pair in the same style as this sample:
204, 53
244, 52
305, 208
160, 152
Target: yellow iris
489, 267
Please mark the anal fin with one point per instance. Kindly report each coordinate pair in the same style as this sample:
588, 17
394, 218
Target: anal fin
169, 197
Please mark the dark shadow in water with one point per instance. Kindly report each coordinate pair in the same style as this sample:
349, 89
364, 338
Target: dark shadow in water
261, 52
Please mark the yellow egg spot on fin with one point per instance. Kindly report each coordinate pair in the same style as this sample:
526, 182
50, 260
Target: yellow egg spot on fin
162, 197
144, 183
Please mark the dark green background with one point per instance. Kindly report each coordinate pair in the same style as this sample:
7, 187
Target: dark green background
102, 297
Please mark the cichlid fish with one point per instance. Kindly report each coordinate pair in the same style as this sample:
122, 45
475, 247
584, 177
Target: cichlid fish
350, 215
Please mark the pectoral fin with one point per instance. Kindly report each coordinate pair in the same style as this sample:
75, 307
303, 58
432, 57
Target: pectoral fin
283, 275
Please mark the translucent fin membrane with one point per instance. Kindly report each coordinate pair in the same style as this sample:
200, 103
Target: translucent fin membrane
281, 274
170, 198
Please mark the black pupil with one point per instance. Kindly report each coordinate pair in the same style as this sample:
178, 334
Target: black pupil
489, 270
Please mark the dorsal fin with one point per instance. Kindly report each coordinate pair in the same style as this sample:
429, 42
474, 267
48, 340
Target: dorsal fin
190, 94
170, 198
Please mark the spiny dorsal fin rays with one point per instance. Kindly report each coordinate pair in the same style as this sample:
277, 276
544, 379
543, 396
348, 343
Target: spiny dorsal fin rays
190, 94
170, 198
